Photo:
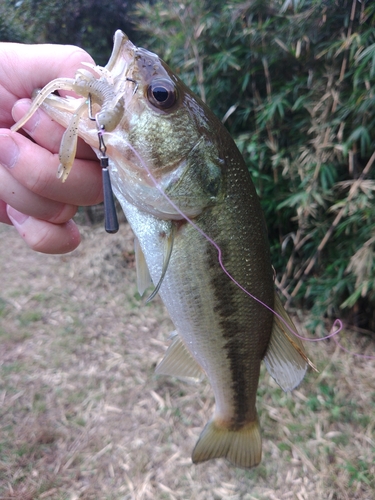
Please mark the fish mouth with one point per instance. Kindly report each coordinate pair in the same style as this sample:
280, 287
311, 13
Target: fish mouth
122, 58
129, 63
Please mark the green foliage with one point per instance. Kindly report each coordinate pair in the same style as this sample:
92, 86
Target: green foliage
294, 82
359, 472
9, 31
87, 23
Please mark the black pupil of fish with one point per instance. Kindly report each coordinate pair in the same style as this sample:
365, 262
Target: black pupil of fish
160, 93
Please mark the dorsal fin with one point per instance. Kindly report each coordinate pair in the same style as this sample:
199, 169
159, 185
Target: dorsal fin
178, 362
285, 359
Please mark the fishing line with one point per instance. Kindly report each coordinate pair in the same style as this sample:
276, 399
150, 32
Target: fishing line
365, 356
337, 322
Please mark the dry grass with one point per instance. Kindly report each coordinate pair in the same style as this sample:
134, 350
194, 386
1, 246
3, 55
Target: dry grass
84, 417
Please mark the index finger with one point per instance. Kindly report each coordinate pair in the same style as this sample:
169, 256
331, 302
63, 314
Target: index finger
25, 68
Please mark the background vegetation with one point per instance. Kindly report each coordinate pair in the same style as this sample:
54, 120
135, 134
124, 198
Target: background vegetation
294, 82
83, 416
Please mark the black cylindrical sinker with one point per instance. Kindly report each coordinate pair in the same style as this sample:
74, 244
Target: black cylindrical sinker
111, 222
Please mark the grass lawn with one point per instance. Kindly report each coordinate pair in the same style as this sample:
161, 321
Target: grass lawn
82, 415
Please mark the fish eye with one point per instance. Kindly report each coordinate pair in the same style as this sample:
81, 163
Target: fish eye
162, 93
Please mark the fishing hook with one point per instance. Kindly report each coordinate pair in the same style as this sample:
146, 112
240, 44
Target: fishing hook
92, 118
135, 82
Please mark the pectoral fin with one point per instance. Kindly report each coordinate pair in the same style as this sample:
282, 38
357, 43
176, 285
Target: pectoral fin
168, 247
143, 274
285, 359
178, 362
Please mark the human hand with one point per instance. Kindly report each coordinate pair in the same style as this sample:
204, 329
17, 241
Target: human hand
32, 198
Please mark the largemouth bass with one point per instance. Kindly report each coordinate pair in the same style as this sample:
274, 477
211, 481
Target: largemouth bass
172, 162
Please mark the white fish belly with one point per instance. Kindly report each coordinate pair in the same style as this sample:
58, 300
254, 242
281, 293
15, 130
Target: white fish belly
187, 295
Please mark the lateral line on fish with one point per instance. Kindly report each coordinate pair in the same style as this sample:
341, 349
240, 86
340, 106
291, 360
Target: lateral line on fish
337, 322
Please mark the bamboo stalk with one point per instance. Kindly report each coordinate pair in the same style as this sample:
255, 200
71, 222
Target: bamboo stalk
338, 217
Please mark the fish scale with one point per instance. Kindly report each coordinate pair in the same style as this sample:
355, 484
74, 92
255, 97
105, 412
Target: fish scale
183, 184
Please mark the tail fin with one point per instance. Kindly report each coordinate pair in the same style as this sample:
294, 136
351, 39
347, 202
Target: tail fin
242, 447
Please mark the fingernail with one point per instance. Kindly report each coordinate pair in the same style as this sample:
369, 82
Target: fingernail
18, 218
9, 151
20, 109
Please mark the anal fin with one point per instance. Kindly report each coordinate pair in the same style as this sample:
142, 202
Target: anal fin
285, 359
178, 362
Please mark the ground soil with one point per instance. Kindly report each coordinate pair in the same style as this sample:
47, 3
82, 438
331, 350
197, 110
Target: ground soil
82, 415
